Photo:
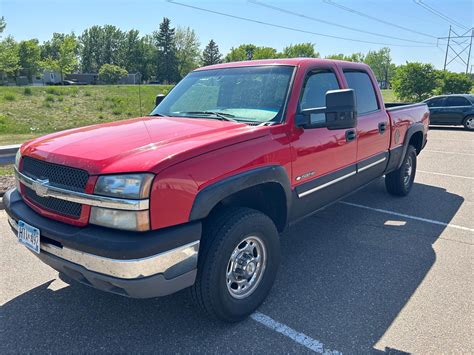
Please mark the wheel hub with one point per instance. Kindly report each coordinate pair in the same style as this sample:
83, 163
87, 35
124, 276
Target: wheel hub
245, 267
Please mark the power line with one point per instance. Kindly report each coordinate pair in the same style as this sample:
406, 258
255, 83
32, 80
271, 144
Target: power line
439, 14
363, 14
285, 11
287, 27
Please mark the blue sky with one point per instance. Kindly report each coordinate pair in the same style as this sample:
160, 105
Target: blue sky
39, 19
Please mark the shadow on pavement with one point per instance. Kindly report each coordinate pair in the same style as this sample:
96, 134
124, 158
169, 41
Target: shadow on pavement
345, 276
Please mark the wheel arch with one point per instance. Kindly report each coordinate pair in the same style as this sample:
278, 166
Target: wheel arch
266, 189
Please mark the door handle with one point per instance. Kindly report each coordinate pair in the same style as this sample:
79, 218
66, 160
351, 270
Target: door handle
382, 127
350, 135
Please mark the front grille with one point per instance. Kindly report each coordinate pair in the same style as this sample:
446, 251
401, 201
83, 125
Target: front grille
60, 176
70, 209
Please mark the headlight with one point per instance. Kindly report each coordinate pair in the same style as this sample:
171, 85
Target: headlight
17, 159
126, 186
119, 219
132, 186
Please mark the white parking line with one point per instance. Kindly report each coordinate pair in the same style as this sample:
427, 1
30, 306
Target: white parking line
432, 221
441, 174
440, 151
294, 335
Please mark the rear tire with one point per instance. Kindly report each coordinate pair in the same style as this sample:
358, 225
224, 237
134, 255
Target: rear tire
238, 262
469, 123
400, 181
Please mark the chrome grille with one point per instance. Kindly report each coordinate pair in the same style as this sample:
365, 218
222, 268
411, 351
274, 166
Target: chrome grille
70, 209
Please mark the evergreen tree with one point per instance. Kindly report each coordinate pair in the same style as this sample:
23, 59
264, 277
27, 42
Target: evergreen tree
167, 63
211, 54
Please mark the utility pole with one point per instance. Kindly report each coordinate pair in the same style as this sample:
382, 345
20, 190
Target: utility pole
458, 48
469, 55
447, 48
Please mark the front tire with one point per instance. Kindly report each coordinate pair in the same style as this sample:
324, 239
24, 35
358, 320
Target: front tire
469, 123
238, 263
400, 181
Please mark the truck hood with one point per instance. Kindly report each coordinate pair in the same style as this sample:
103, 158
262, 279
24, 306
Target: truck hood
145, 144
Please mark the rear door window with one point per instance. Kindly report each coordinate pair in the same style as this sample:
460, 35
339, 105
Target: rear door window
438, 102
457, 101
364, 91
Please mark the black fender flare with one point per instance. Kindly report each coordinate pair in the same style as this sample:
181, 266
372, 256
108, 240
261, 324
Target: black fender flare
417, 127
211, 195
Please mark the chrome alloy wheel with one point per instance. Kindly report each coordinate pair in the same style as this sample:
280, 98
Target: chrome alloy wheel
246, 267
408, 170
470, 123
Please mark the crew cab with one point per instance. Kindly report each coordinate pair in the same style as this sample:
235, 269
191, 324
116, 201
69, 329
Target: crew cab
195, 194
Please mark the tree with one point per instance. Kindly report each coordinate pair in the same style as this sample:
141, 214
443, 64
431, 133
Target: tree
265, 53
167, 63
29, 53
300, 50
454, 83
415, 81
147, 57
91, 47
3, 24
111, 74
354, 57
187, 50
211, 54
381, 63
250, 52
9, 57
66, 61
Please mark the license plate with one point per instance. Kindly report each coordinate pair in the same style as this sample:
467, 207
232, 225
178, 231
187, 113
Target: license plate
29, 236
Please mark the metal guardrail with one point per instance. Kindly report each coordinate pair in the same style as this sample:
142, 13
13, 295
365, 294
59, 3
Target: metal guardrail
7, 154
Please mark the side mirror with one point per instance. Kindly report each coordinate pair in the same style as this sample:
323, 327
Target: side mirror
159, 98
339, 113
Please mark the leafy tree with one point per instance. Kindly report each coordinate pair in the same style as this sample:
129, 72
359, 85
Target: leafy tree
454, 83
167, 62
211, 54
9, 58
300, 50
354, 57
66, 61
130, 51
250, 52
91, 42
187, 50
147, 57
29, 53
415, 81
111, 74
3, 24
381, 63
50, 49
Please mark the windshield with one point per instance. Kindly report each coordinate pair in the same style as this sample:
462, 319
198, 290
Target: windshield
252, 94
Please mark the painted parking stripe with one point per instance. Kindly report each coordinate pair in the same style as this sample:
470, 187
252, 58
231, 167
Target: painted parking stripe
300, 338
432, 221
448, 175
443, 152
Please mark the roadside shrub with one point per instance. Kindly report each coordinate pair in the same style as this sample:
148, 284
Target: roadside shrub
49, 98
10, 97
27, 92
53, 91
454, 83
111, 74
415, 81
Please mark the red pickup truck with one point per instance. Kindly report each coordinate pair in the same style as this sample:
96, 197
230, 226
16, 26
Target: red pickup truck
195, 194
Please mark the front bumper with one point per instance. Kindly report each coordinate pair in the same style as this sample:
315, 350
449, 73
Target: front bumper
139, 265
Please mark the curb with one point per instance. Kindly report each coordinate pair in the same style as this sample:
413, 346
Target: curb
7, 153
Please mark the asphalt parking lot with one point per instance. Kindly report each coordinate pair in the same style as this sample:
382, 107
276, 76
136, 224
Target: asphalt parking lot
373, 273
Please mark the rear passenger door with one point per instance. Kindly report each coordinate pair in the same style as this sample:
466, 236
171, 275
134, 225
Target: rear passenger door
436, 107
373, 126
454, 111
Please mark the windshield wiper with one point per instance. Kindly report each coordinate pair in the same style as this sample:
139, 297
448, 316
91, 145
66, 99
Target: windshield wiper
220, 115
156, 114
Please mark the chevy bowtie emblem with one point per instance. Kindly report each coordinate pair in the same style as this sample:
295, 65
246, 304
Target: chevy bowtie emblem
41, 187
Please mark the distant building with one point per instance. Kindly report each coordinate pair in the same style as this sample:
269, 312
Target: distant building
51, 77
131, 79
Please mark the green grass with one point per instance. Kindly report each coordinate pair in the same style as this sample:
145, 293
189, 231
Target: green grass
25, 114
6, 170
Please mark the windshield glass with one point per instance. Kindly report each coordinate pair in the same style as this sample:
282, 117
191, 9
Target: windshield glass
255, 94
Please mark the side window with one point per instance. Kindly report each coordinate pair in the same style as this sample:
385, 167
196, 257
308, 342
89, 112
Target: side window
457, 101
364, 91
314, 92
438, 102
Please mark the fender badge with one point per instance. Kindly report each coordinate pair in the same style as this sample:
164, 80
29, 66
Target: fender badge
305, 175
